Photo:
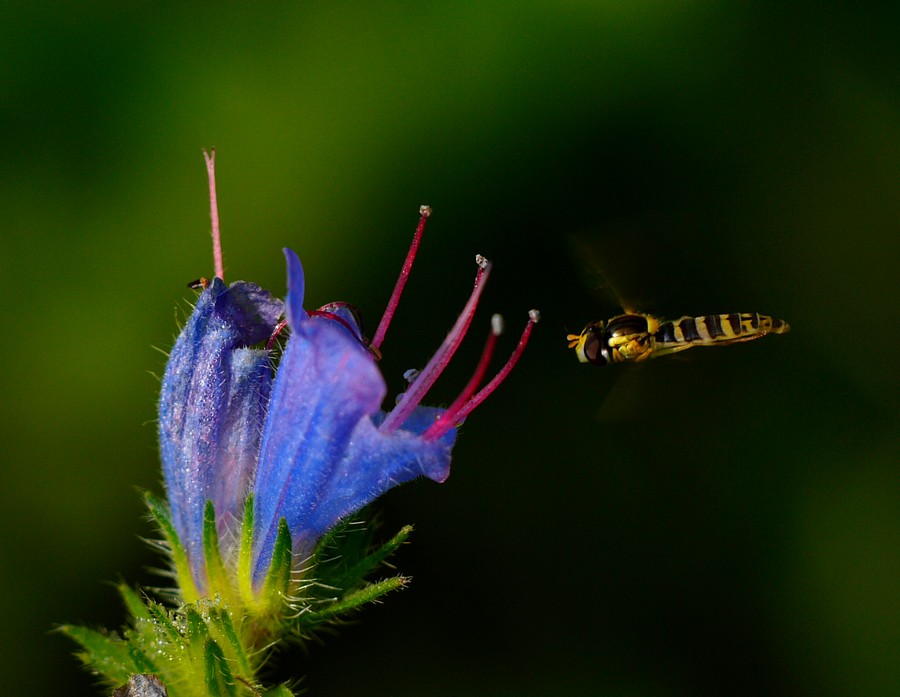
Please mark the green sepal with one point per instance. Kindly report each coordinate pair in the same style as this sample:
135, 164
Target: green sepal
133, 602
341, 562
278, 579
142, 662
352, 601
219, 678
280, 691
160, 514
216, 575
197, 632
161, 625
245, 556
213, 646
221, 620
195, 650
358, 571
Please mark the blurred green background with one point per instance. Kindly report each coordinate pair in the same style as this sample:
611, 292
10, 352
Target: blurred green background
726, 524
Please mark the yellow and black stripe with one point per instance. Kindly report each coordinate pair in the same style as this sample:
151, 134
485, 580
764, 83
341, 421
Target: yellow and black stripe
710, 330
635, 337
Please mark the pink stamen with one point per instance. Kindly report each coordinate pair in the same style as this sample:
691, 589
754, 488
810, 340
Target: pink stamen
424, 212
411, 398
337, 318
450, 418
481, 368
316, 313
341, 303
210, 158
278, 329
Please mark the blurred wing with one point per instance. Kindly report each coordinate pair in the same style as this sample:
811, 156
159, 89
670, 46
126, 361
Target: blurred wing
626, 396
627, 261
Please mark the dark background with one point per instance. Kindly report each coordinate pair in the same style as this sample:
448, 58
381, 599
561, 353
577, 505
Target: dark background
725, 524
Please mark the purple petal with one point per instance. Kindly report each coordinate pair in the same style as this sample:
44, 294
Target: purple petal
212, 403
242, 425
293, 303
322, 457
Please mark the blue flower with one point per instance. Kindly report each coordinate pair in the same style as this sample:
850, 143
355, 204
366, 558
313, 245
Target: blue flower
324, 455
312, 444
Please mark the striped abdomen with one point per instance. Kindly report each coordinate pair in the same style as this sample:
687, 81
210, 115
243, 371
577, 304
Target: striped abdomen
711, 330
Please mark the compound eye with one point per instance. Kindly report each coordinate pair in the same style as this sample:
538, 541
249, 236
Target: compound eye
593, 348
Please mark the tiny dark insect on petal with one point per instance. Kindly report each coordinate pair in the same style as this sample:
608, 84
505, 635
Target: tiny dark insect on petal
199, 284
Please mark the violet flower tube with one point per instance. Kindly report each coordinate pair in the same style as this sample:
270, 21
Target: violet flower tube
212, 408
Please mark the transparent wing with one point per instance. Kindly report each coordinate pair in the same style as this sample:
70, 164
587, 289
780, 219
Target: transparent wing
621, 264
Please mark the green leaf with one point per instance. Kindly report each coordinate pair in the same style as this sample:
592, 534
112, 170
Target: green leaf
105, 653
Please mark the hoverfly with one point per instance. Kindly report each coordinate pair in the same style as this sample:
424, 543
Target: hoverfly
636, 337
632, 336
